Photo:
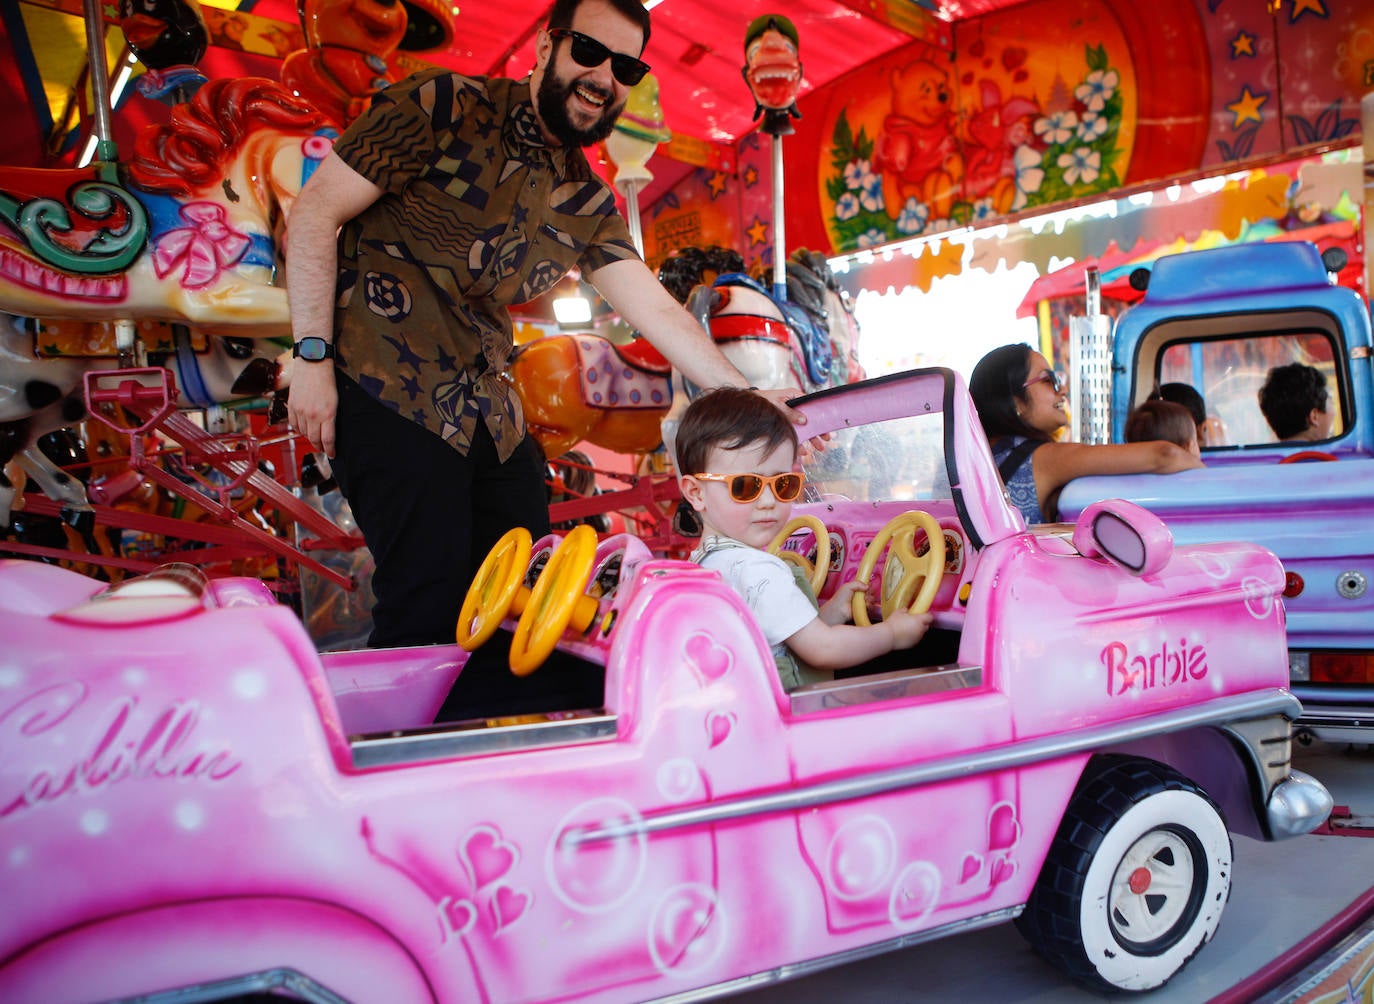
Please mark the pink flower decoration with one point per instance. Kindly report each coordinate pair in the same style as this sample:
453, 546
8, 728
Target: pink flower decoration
317, 147
201, 250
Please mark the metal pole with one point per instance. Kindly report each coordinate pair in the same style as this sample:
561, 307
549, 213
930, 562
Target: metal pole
1367, 117
105, 148
779, 228
631, 191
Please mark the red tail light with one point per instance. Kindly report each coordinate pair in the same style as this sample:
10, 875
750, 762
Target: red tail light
1342, 667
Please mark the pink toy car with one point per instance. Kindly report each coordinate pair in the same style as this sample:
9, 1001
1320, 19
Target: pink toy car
195, 804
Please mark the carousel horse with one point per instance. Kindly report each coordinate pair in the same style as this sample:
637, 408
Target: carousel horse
806, 341
186, 232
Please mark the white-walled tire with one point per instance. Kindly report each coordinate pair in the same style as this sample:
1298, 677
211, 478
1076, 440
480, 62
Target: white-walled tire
1135, 881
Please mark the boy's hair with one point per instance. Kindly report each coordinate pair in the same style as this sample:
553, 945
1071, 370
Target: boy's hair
1288, 396
1186, 395
1156, 419
561, 14
728, 418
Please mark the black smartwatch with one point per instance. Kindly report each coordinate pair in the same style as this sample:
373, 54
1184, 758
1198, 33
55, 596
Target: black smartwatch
313, 350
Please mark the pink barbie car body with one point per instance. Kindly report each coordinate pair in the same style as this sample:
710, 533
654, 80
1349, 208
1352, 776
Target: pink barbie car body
195, 804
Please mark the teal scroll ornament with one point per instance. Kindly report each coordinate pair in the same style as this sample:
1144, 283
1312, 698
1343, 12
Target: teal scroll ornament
112, 249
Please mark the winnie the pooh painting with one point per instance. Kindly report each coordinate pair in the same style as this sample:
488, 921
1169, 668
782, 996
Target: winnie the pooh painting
916, 152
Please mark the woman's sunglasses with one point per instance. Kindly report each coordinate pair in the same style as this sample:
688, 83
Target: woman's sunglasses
1054, 379
747, 487
587, 51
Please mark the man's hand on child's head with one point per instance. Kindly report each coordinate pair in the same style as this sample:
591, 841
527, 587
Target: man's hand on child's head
779, 396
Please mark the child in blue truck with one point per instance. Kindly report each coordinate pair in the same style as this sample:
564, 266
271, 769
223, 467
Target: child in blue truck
1156, 418
737, 468
1296, 404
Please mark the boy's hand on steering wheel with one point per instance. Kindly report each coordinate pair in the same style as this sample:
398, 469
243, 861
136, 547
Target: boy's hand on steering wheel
836, 609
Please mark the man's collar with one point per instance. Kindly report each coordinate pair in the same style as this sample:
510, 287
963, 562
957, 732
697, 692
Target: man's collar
524, 135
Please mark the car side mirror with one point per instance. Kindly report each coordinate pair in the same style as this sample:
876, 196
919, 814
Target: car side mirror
1125, 534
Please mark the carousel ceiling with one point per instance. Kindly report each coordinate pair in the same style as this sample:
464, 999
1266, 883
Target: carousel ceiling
696, 48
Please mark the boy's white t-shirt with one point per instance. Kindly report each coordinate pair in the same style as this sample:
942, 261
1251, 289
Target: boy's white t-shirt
766, 583
769, 587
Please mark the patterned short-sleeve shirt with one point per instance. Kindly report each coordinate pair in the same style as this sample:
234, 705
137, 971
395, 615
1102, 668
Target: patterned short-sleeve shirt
479, 213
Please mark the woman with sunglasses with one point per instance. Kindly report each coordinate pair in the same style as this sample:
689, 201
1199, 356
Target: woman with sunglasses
446, 201
1022, 403
736, 458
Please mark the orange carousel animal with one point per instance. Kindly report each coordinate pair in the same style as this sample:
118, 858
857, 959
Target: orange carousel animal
583, 388
580, 387
351, 43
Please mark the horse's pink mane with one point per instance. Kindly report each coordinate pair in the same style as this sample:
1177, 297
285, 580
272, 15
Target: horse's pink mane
189, 152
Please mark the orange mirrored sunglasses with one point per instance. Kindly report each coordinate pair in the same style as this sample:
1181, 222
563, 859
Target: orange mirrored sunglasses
747, 487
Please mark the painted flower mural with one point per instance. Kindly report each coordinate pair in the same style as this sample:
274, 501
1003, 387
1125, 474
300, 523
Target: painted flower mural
922, 170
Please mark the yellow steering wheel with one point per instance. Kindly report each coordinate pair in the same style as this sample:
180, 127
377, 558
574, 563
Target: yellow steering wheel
821, 569
905, 570
493, 592
557, 602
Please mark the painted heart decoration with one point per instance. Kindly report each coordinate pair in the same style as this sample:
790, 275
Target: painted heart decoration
457, 915
1003, 828
1003, 870
487, 856
710, 660
719, 724
508, 906
973, 864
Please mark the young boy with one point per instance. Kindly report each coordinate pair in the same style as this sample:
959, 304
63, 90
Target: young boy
736, 458
1295, 403
1159, 419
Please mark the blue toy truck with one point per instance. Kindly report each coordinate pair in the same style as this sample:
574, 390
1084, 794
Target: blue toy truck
1219, 320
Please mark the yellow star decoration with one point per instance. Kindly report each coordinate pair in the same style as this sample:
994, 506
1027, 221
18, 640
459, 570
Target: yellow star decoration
751, 176
1247, 108
1242, 45
1301, 7
936, 262
716, 183
758, 233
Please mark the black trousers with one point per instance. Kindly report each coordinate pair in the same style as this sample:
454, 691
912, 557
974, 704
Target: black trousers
429, 515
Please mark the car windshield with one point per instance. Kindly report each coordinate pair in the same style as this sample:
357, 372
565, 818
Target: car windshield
899, 459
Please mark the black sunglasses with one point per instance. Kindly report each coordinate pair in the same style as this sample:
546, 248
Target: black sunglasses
587, 51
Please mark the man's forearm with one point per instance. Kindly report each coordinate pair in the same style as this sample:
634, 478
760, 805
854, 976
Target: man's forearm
641, 300
312, 264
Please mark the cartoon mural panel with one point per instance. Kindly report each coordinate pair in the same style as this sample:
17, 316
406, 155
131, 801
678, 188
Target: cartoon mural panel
1065, 100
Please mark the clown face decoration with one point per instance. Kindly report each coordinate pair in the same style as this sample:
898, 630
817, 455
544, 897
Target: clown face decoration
772, 69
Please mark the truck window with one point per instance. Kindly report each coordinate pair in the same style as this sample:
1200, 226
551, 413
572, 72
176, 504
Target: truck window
1229, 371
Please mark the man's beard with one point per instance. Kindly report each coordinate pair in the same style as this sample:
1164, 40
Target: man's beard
552, 102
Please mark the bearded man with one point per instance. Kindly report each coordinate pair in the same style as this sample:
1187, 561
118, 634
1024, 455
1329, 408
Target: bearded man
449, 199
